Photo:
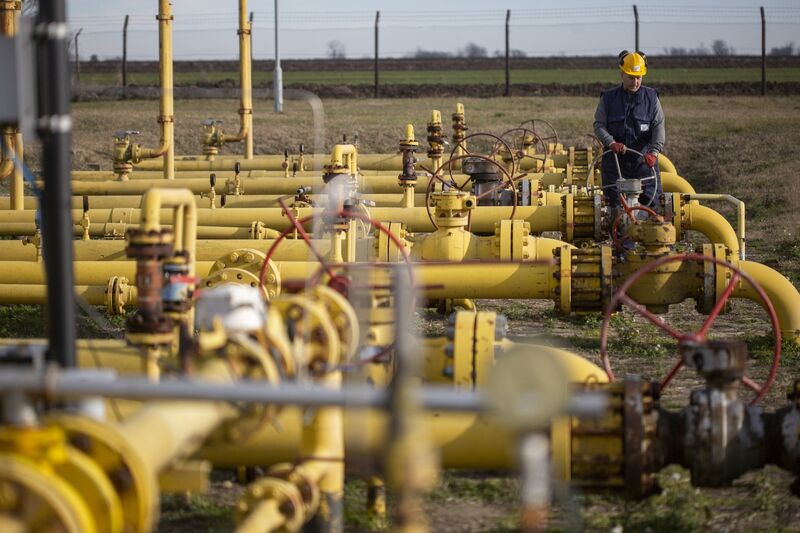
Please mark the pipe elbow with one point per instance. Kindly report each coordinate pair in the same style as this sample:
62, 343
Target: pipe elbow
711, 224
783, 294
672, 182
665, 165
6, 168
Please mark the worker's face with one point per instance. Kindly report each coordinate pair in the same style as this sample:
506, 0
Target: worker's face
631, 83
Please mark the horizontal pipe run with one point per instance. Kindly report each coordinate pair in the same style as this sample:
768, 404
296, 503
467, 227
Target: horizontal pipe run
483, 219
74, 384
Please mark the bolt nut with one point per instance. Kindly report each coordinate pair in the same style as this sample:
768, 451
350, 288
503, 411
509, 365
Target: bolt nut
451, 332
449, 350
448, 371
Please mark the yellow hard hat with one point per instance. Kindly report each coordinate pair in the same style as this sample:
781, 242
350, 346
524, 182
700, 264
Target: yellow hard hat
633, 63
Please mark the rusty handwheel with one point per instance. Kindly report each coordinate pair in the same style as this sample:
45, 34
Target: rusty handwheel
699, 336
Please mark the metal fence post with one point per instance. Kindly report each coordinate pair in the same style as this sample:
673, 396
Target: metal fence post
636, 25
763, 54
508, 55
377, 20
125, 56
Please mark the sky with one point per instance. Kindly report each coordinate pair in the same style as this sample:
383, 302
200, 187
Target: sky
206, 29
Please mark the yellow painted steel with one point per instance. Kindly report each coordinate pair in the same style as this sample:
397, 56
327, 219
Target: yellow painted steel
780, 290
666, 165
705, 220
740, 214
245, 79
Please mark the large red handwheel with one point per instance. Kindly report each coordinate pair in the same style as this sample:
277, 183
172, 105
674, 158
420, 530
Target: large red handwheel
621, 296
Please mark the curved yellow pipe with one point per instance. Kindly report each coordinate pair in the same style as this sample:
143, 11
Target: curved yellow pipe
7, 155
711, 224
780, 290
672, 182
665, 165
245, 80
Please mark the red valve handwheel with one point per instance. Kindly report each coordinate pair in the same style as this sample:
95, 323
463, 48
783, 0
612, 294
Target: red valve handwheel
621, 296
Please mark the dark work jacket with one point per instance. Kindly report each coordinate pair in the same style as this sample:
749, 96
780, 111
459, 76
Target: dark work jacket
629, 117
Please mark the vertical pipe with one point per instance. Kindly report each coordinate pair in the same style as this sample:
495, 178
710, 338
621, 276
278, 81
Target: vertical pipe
636, 25
77, 58
17, 191
763, 54
246, 80
166, 118
277, 78
250, 25
377, 20
54, 128
125, 57
508, 55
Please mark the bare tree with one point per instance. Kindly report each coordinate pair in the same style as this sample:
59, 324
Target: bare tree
721, 48
336, 50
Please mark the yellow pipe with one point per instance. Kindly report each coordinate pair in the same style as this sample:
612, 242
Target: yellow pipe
166, 430
7, 154
245, 80
781, 292
37, 294
665, 165
541, 218
167, 117
266, 516
673, 183
710, 223
740, 215
86, 272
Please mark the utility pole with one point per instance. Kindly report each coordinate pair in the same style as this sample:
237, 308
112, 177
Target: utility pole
763, 54
125, 56
377, 20
277, 78
636, 23
77, 58
508, 55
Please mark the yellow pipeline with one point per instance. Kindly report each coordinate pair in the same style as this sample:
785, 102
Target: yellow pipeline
167, 117
245, 79
544, 218
665, 165
671, 182
708, 222
740, 214
780, 290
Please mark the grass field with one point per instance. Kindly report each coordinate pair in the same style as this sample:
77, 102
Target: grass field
563, 76
742, 146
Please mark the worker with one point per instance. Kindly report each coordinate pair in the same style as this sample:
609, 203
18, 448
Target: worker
629, 117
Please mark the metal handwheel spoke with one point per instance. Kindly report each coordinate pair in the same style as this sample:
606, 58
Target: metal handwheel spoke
723, 299
306, 238
652, 318
672, 373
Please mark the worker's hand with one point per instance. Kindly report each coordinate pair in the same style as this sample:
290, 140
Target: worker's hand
617, 148
650, 159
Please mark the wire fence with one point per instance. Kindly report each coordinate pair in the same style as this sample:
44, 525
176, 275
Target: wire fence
599, 30
716, 33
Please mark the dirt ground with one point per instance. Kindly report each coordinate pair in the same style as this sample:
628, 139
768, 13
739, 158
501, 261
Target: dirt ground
745, 146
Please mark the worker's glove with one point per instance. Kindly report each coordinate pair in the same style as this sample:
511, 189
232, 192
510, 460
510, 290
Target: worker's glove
650, 159
617, 148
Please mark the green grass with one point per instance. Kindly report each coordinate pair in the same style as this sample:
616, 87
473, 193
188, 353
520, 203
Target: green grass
562, 76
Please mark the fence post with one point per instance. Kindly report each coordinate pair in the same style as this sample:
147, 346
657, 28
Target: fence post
377, 20
636, 25
508, 55
125, 57
763, 54
77, 58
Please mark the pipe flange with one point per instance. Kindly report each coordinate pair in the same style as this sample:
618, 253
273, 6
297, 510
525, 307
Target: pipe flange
300, 478
309, 323
154, 245
639, 430
136, 486
243, 267
117, 292
289, 499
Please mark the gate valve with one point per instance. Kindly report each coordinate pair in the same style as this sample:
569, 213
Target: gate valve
124, 153
212, 193
301, 198
234, 185
285, 163
459, 125
435, 135
720, 362
408, 148
213, 136
85, 223
178, 287
452, 208
36, 241
301, 164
